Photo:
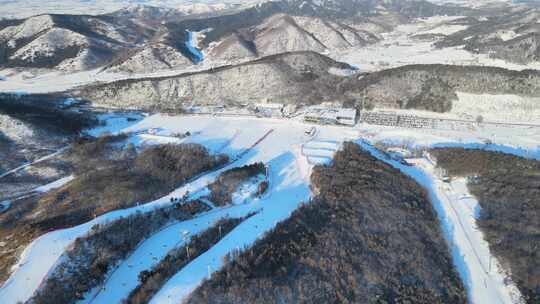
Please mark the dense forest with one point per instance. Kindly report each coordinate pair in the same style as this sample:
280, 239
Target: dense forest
508, 190
109, 175
369, 235
108, 178
87, 262
46, 112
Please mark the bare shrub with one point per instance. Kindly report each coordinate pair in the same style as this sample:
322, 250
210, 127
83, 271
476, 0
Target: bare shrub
176, 162
223, 187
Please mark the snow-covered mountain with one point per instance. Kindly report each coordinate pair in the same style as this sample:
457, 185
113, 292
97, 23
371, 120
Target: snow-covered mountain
284, 33
67, 42
146, 38
295, 78
512, 35
476, 3
288, 151
27, 8
303, 78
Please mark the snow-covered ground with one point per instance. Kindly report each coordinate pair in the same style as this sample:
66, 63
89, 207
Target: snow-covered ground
190, 44
398, 48
54, 185
39, 190
4, 205
44, 158
114, 122
497, 108
286, 147
480, 268
517, 140
45, 81
457, 210
15, 129
469, 3
503, 109
289, 172
320, 151
125, 278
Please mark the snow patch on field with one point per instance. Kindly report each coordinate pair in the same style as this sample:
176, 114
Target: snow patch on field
198, 37
114, 123
342, 72
497, 108
15, 129
54, 185
445, 29
506, 35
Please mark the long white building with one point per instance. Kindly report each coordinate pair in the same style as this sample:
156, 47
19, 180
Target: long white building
343, 116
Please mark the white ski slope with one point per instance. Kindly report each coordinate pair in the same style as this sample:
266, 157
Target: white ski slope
56, 184
125, 278
470, 252
484, 275
320, 151
289, 185
289, 177
470, 269
281, 150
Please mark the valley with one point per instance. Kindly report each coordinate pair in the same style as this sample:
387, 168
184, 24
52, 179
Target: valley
345, 151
